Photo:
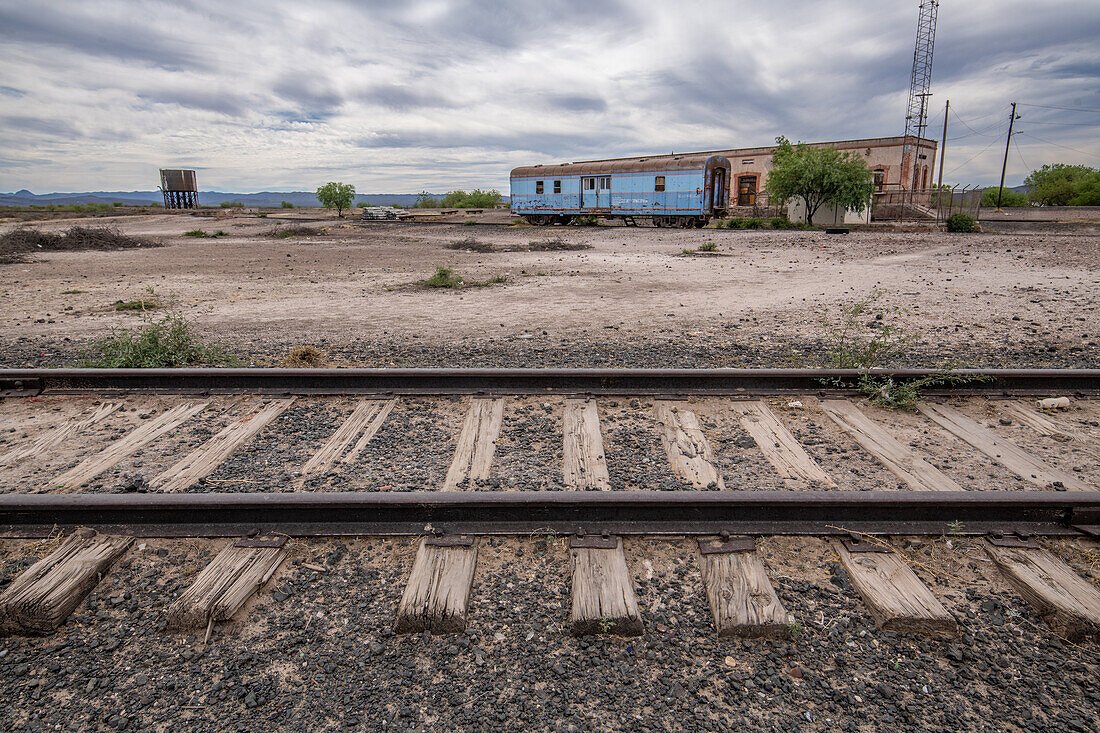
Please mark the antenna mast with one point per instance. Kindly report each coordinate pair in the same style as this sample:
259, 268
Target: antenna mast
916, 117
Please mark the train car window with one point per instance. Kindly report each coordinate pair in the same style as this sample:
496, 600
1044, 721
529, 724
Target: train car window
538, 186
589, 184
605, 183
659, 183
557, 186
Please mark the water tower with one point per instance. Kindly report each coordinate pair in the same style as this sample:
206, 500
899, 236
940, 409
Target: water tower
180, 188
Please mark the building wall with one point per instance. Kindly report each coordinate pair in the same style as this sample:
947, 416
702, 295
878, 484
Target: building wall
884, 155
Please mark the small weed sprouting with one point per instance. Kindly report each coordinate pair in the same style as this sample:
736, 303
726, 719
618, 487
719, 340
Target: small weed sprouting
305, 356
169, 342
955, 528
444, 277
708, 247
865, 338
585, 221
141, 305
469, 223
196, 233
606, 625
795, 630
73, 292
687, 251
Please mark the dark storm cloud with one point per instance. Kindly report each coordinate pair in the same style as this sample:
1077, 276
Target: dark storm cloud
401, 98
524, 23
43, 126
213, 101
576, 103
11, 92
556, 146
95, 34
311, 91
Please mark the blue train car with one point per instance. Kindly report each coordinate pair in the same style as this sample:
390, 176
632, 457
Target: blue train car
671, 191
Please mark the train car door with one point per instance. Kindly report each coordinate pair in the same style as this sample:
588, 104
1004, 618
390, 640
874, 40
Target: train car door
588, 193
718, 193
603, 192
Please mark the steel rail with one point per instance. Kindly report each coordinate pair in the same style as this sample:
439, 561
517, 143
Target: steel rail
561, 512
671, 382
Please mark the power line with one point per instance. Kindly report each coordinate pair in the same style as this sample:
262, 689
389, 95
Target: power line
1048, 142
1068, 109
1021, 156
972, 157
1066, 124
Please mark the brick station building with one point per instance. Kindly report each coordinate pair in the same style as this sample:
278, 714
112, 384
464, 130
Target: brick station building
883, 155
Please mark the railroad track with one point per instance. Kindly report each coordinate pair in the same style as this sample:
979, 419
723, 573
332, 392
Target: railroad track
723, 459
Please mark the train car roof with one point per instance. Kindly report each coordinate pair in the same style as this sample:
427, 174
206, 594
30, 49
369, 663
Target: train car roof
635, 165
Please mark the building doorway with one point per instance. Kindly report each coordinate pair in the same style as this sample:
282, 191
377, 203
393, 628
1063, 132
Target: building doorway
746, 191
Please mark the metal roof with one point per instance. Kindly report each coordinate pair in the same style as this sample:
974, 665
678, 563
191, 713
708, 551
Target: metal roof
656, 163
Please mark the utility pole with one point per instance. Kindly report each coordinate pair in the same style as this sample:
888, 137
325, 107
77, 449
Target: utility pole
943, 147
1011, 119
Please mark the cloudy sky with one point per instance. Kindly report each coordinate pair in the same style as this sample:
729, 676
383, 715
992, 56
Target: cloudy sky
400, 96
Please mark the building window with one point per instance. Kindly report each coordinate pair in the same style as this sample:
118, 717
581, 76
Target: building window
538, 186
589, 184
747, 161
880, 179
557, 186
659, 183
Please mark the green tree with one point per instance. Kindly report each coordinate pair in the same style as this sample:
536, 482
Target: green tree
819, 176
335, 195
1056, 183
1009, 198
1087, 192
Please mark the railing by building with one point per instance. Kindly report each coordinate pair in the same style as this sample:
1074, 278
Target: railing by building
931, 204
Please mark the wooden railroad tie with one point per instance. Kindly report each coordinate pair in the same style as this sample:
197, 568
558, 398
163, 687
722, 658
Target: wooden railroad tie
1067, 602
42, 597
742, 599
476, 443
237, 573
437, 596
603, 591
892, 592
687, 447
779, 446
582, 454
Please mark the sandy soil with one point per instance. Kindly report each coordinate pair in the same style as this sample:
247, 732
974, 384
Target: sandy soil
982, 299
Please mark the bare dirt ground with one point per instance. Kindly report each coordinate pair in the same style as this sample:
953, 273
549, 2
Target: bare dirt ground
632, 298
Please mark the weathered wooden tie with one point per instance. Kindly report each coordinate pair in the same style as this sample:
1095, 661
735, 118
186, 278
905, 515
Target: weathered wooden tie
779, 446
367, 411
42, 597
898, 458
1002, 450
687, 447
1067, 602
437, 595
584, 465
205, 459
375, 424
476, 443
742, 599
237, 573
603, 590
133, 441
892, 592
57, 435
1044, 426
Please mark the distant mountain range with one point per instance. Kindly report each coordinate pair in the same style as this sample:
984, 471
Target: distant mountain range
206, 198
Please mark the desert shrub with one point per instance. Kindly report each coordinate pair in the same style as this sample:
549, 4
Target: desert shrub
585, 221
294, 230
960, 223
305, 356
287, 205
780, 222
197, 233
471, 244
708, 247
444, 277
231, 205
169, 342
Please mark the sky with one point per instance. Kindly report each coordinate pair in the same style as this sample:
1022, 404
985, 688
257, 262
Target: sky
402, 96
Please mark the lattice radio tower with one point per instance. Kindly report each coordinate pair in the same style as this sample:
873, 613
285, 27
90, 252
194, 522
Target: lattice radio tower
916, 117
